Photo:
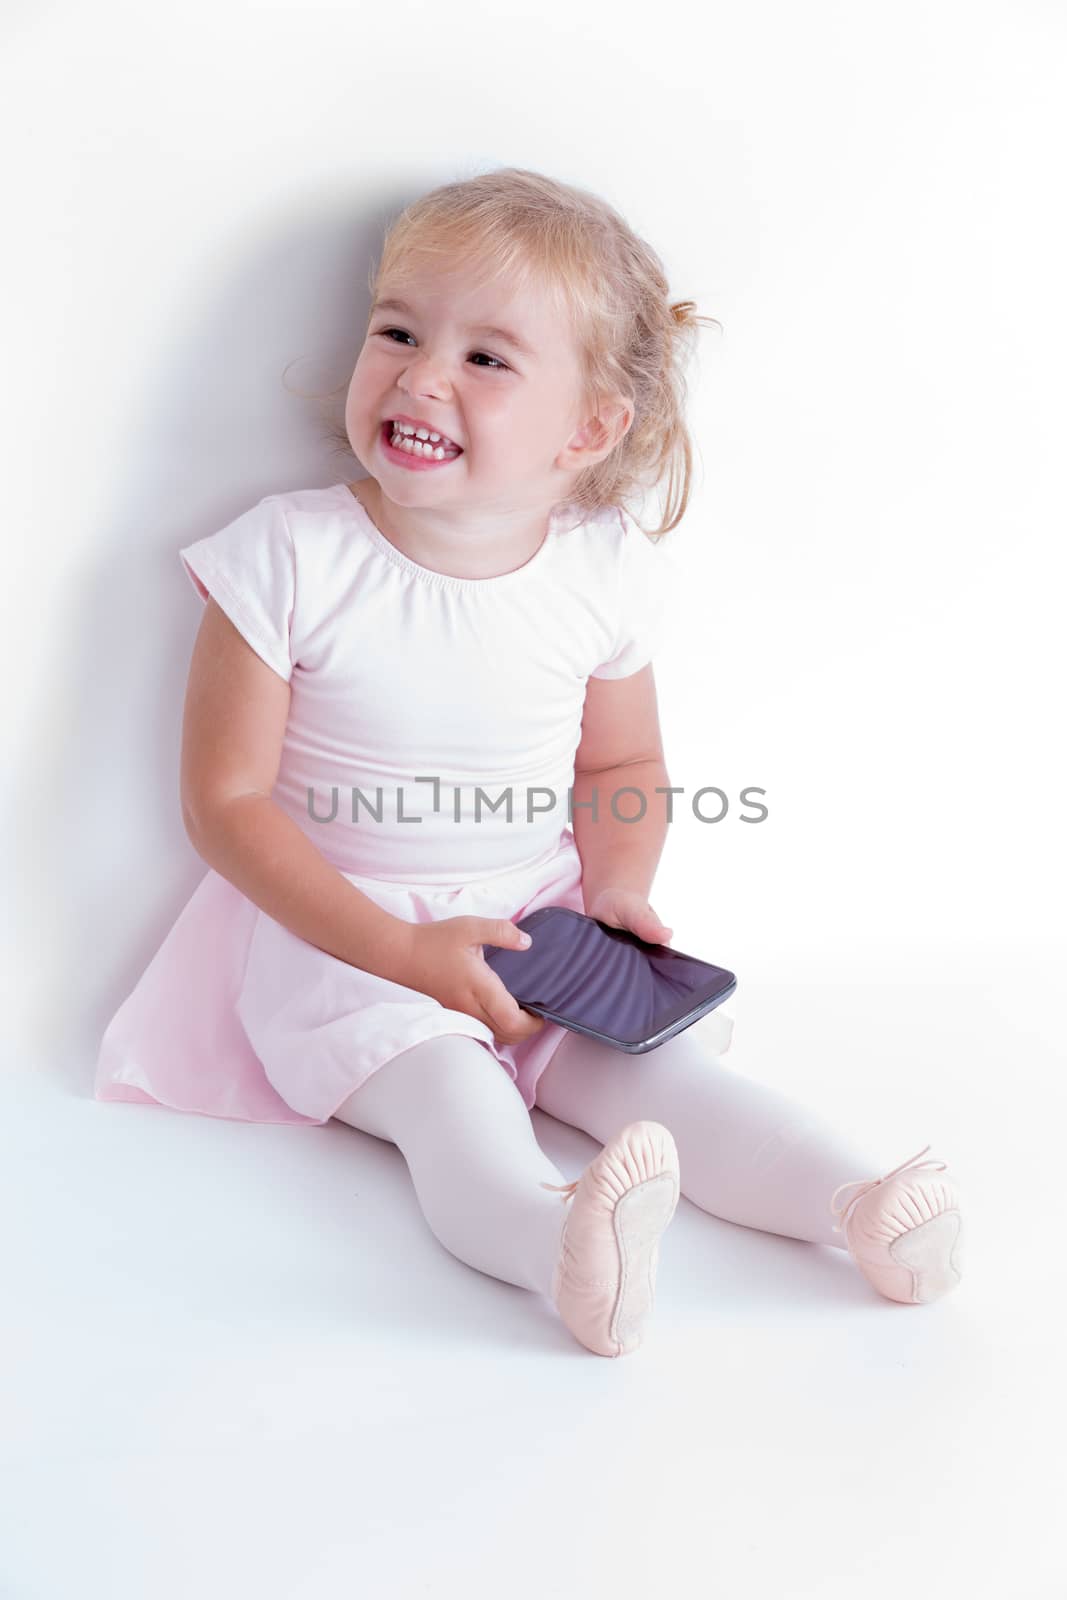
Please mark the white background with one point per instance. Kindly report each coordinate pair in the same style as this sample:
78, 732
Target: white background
869, 198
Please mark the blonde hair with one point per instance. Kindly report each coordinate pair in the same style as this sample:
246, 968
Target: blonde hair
608, 284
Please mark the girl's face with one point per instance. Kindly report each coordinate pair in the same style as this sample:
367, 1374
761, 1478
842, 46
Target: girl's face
442, 359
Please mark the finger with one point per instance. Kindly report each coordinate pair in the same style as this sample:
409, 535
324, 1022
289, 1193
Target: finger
499, 931
506, 1016
527, 1023
482, 1012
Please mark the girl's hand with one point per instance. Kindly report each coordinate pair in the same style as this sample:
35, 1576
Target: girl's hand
444, 960
625, 908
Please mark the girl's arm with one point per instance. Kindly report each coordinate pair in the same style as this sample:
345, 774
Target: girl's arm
236, 708
621, 747
620, 847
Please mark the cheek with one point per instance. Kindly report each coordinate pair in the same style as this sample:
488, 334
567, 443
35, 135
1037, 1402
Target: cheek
359, 401
353, 415
507, 424
367, 371
536, 419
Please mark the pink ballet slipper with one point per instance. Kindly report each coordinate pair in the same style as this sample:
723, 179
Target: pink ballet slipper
604, 1282
904, 1230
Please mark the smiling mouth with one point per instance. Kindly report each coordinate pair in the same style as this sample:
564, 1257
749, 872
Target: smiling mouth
414, 449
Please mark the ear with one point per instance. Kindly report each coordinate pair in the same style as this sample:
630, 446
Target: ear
598, 436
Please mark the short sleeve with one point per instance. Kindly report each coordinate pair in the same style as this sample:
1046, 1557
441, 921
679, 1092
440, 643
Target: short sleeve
646, 581
249, 568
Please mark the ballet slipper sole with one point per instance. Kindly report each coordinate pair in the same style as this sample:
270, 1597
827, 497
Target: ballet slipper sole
931, 1253
640, 1218
926, 1262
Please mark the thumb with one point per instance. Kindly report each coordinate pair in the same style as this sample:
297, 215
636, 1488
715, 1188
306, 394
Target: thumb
501, 932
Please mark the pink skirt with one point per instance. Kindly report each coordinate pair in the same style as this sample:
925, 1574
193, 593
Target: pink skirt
237, 1017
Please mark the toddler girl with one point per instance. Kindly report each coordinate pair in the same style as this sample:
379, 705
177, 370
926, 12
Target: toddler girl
410, 703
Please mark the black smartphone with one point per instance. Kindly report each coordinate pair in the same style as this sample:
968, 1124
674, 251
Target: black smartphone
606, 982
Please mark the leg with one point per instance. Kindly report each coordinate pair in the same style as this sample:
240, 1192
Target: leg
747, 1153
461, 1126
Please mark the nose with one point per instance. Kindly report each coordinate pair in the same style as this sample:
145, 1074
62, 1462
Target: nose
424, 375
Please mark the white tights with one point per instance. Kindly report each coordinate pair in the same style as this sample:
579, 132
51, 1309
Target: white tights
746, 1152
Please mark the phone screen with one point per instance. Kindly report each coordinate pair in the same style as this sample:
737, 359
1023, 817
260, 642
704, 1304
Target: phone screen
605, 981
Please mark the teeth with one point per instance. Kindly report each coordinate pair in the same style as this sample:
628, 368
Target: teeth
421, 442
411, 432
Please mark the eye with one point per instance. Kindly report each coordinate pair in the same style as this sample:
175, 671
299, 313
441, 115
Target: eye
498, 366
385, 333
